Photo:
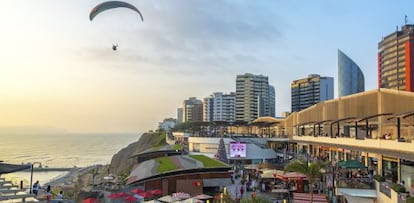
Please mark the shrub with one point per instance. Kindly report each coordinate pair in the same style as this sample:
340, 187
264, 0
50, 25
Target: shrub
410, 200
379, 178
398, 188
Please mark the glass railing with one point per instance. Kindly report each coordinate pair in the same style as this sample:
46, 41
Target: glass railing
385, 188
356, 183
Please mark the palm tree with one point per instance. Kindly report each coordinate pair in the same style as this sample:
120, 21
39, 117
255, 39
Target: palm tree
312, 170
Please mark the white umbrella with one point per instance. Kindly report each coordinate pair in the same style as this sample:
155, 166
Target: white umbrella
203, 196
168, 198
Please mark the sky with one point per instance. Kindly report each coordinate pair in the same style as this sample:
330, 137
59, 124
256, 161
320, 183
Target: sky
58, 71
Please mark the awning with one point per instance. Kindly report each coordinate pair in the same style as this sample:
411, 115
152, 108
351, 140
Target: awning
306, 198
215, 182
290, 176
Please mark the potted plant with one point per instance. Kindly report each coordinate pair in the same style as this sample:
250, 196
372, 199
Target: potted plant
398, 188
379, 178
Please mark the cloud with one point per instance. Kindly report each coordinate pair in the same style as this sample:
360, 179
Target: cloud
196, 37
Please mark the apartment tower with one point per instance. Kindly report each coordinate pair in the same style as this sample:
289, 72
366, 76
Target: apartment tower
311, 90
219, 107
395, 60
252, 97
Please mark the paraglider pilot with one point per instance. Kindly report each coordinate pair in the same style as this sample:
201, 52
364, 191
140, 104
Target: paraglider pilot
114, 47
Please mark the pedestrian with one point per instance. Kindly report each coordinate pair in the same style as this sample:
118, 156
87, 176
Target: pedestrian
241, 191
49, 194
263, 186
36, 187
60, 195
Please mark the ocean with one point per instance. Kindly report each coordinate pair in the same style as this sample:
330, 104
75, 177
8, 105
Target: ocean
59, 150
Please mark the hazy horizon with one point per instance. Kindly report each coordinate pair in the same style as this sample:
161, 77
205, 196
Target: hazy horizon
59, 73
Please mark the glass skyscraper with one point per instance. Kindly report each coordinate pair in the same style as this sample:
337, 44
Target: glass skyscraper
350, 76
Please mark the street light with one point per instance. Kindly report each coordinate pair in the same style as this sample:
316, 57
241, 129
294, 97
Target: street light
31, 176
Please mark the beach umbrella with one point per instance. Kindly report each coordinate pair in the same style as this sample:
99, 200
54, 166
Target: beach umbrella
137, 190
203, 196
130, 198
145, 194
156, 192
90, 200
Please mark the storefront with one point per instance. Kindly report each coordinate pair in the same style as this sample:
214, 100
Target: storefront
407, 174
390, 168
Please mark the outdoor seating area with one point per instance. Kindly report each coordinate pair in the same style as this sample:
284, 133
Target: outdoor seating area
152, 196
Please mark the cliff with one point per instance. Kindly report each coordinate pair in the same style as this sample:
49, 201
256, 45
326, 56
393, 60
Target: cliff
122, 162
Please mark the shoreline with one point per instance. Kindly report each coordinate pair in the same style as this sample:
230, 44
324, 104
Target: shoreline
68, 179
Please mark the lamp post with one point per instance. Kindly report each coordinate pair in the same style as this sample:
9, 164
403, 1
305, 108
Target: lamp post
31, 176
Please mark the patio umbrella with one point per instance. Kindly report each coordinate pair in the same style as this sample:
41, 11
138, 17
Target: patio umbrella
192, 200
156, 192
114, 196
90, 200
350, 164
168, 198
137, 190
181, 195
202, 196
130, 199
122, 194
145, 194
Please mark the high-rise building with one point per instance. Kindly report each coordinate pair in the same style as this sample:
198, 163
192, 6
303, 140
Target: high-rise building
311, 90
272, 101
252, 97
219, 107
192, 110
396, 60
350, 76
180, 117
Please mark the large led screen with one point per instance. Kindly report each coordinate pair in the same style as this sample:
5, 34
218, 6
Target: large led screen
238, 149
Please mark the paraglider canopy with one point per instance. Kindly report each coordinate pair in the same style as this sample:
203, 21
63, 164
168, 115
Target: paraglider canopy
111, 5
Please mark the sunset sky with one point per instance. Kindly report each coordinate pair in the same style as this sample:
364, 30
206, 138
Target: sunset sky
59, 73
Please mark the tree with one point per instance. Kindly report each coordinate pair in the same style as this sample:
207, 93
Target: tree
221, 152
312, 170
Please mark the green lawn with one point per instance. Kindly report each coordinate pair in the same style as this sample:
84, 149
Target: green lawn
177, 147
165, 164
208, 162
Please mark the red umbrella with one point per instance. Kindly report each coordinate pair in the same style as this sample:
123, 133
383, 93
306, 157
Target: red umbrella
130, 199
114, 196
90, 200
137, 190
156, 192
122, 194
145, 194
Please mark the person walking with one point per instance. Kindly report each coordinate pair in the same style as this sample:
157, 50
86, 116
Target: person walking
48, 194
60, 196
36, 188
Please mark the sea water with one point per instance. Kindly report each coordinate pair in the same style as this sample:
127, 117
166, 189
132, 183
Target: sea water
59, 150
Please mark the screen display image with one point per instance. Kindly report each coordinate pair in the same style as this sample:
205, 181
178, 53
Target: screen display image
238, 149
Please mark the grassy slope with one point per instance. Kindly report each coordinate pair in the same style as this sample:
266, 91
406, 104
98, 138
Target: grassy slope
208, 162
121, 162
